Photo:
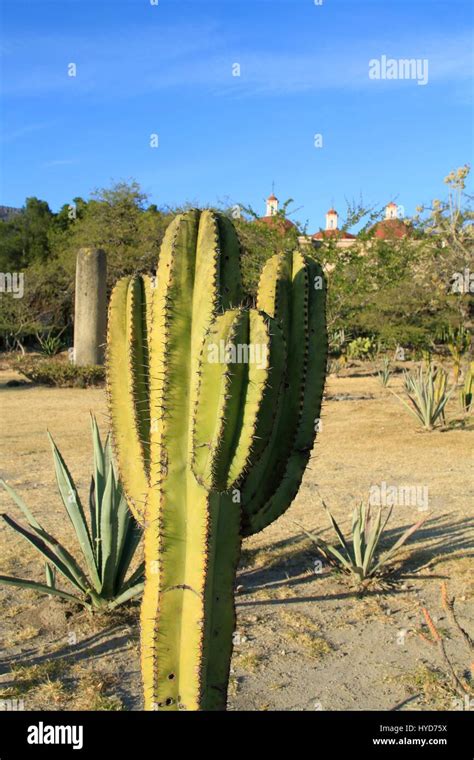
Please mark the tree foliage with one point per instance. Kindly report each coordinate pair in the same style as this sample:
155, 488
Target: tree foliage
404, 291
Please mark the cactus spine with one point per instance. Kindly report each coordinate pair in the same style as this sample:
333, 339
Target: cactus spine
209, 449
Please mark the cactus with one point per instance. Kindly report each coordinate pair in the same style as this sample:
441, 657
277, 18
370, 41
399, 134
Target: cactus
211, 441
90, 308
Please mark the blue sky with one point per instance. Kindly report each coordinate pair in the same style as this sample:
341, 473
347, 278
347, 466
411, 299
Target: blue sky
166, 69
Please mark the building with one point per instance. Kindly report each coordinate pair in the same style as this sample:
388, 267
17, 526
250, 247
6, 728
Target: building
390, 228
272, 219
343, 238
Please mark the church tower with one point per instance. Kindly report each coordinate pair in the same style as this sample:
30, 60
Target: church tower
272, 205
391, 211
331, 219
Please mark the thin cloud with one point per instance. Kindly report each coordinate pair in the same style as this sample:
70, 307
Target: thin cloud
147, 61
59, 162
27, 129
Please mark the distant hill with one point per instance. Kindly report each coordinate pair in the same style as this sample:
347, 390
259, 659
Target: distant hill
6, 212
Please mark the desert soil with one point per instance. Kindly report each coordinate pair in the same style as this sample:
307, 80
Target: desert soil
306, 639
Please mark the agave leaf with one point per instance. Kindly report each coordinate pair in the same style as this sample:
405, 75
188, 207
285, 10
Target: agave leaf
374, 537
415, 411
398, 544
76, 513
389, 513
128, 538
347, 563
20, 503
108, 456
355, 517
125, 596
136, 577
66, 557
41, 588
42, 547
93, 513
108, 535
340, 534
365, 524
99, 483
59, 550
356, 540
327, 550
320, 544
50, 572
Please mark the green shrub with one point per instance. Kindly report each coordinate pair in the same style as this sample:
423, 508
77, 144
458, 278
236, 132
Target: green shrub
361, 348
60, 374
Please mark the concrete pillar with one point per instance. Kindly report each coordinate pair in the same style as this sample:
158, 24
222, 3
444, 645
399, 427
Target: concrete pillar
90, 307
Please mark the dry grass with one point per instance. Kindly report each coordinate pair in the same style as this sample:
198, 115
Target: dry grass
19, 636
362, 443
250, 661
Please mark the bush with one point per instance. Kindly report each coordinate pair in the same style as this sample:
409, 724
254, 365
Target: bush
361, 348
60, 374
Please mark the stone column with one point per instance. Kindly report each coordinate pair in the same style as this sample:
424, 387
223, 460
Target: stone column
90, 309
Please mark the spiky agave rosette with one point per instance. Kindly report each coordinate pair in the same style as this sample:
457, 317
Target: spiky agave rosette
209, 451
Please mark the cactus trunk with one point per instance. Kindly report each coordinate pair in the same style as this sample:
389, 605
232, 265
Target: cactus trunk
188, 617
213, 411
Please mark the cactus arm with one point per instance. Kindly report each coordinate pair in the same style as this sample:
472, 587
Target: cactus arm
127, 389
295, 425
216, 407
252, 401
234, 374
277, 294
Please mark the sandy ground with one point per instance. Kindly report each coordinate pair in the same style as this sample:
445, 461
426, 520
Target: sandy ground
305, 640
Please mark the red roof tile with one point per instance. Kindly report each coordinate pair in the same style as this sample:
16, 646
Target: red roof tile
333, 233
391, 228
276, 221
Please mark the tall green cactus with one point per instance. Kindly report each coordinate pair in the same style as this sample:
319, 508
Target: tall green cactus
213, 410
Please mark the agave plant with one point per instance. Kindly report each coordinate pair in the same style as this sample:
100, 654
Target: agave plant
108, 541
465, 396
360, 556
427, 395
50, 345
458, 341
385, 372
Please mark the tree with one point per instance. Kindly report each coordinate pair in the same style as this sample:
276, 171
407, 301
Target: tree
117, 220
24, 238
